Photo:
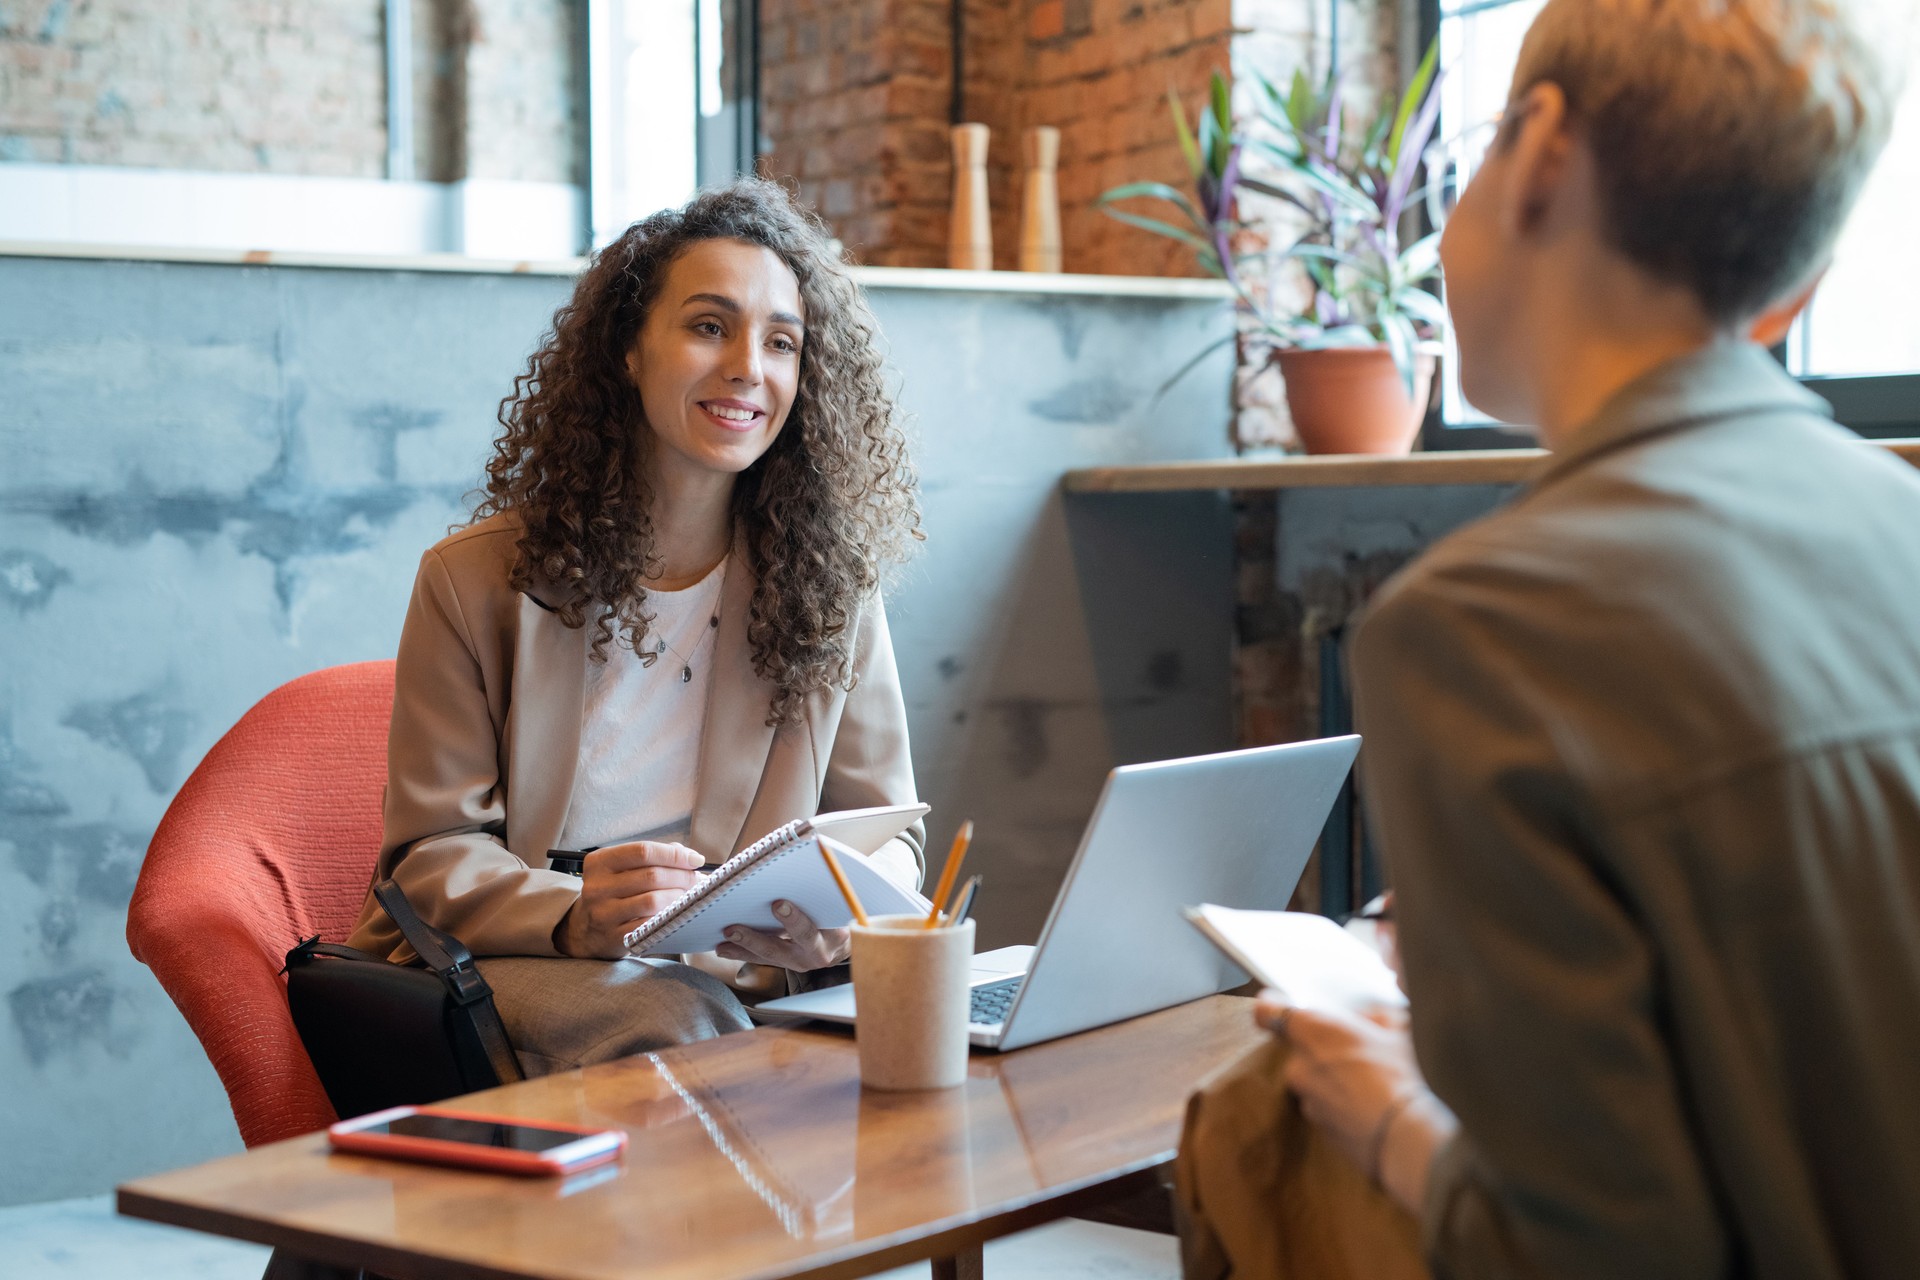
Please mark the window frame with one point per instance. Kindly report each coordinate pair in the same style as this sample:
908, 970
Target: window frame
1875, 406
720, 149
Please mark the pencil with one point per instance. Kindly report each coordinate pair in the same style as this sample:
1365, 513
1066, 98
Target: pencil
951, 872
963, 900
846, 890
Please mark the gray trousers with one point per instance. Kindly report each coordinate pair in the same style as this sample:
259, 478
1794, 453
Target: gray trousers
561, 1014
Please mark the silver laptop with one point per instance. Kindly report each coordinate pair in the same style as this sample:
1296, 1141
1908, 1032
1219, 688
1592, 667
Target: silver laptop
1234, 829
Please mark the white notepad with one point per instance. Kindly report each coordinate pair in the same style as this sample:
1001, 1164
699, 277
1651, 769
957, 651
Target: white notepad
787, 864
1309, 959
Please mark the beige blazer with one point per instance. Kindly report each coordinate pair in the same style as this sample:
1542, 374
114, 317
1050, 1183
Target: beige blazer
488, 703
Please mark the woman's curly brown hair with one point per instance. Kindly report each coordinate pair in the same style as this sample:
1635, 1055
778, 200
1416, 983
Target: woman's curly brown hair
823, 514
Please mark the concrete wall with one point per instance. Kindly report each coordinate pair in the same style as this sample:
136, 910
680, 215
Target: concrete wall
220, 477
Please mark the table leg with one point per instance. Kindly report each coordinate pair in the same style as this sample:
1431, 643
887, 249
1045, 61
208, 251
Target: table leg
964, 1265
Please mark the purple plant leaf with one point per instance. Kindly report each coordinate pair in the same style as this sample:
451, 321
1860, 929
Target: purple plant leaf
1220, 217
1413, 147
1230, 177
1336, 86
1376, 242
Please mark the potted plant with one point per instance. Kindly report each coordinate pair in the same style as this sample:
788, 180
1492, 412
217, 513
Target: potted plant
1338, 301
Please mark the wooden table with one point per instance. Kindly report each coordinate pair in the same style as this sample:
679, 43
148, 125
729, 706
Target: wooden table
754, 1155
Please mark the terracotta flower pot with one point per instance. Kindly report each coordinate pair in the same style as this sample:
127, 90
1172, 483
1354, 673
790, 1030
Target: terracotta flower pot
1351, 400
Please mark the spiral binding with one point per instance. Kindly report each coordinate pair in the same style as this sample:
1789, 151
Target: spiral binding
717, 885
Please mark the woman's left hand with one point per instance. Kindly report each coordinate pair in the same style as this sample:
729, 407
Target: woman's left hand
1350, 1073
801, 947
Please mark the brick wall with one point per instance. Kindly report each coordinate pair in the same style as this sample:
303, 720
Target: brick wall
523, 99
237, 85
854, 97
1099, 71
273, 86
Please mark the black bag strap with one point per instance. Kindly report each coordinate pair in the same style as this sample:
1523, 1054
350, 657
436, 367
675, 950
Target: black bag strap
441, 951
449, 958
311, 947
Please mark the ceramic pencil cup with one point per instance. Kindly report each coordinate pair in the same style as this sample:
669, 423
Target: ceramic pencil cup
910, 987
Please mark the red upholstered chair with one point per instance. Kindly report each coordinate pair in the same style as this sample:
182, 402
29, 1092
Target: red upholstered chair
273, 839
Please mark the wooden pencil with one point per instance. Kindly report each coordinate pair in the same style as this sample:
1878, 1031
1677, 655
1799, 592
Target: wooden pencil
951, 872
846, 889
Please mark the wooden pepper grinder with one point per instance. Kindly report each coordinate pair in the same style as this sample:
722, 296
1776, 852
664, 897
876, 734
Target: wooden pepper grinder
970, 235
1040, 207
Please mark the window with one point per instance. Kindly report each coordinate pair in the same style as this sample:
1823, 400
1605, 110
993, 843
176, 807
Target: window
547, 137
673, 88
1858, 345
1479, 46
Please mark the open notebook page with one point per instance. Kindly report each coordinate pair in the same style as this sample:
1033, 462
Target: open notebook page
1309, 959
792, 869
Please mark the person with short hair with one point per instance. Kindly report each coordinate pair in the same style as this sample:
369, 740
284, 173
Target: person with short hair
1643, 747
661, 637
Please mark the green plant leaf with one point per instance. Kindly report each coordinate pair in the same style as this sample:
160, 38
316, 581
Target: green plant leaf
1410, 100
1287, 153
1345, 335
1188, 148
1420, 260
1159, 191
1422, 306
1401, 342
1166, 229
1327, 253
1276, 110
1278, 193
1321, 273
1326, 181
1223, 123
1300, 102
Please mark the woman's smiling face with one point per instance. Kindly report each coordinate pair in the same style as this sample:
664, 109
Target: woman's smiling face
717, 360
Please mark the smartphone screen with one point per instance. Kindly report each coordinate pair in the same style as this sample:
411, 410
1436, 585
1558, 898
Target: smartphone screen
479, 1133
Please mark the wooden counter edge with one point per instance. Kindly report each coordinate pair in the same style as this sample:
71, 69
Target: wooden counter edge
1462, 466
956, 1238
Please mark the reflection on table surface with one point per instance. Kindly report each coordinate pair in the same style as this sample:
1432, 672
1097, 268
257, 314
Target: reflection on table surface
746, 1155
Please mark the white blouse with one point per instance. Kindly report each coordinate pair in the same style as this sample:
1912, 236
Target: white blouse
640, 739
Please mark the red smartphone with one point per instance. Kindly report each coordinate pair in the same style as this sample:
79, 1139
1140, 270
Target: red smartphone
503, 1144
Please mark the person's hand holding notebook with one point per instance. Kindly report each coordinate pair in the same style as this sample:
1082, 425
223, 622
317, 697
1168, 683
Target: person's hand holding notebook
786, 866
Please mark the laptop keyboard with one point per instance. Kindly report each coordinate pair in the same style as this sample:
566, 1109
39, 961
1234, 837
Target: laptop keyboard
991, 1001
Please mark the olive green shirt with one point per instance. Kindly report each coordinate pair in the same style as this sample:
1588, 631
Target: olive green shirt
1643, 760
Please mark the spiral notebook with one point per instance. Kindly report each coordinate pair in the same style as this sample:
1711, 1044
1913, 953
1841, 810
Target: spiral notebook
786, 863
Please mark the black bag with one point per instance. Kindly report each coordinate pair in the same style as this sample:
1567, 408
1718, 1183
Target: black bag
385, 1035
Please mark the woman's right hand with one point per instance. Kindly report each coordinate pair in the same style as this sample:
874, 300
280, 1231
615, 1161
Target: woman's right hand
621, 887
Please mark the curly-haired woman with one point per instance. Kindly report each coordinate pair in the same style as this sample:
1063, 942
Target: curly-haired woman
662, 633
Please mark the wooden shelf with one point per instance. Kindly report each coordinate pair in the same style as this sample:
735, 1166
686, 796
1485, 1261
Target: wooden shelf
1464, 466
